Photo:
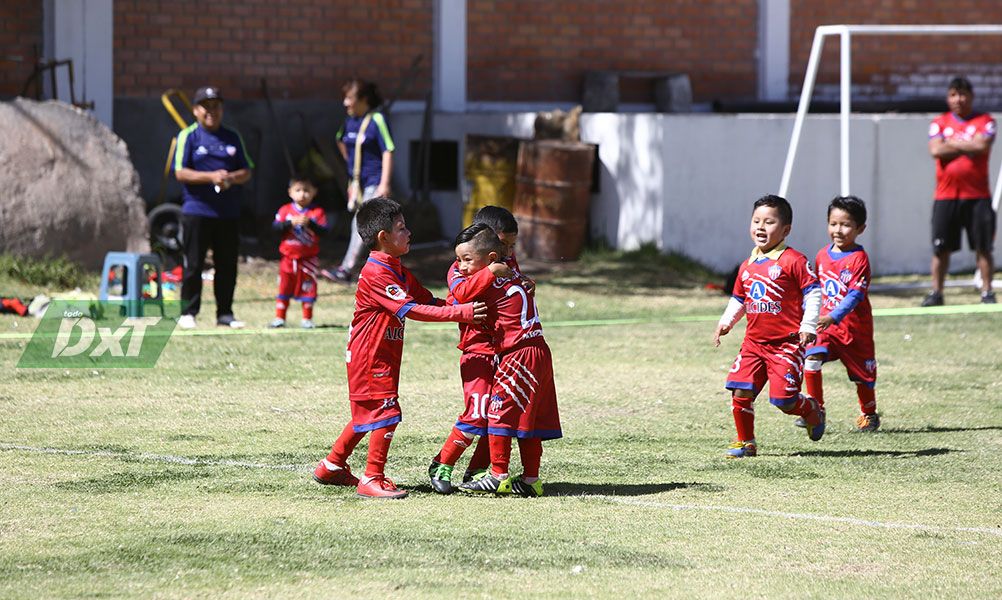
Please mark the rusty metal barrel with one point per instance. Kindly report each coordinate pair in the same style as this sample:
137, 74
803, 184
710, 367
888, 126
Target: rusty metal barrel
553, 192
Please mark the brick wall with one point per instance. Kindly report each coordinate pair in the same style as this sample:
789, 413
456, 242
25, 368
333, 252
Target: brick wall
521, 50
305, 48
20, 33
886, 67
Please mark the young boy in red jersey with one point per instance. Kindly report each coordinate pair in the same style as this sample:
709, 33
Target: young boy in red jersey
523, 401
780, 295
386, 294
845, 328
477, 364
301, 223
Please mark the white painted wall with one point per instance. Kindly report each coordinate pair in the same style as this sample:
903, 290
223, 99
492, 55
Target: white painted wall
687, 182
81, 30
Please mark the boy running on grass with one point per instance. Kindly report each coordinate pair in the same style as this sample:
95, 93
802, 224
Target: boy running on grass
477, 364
387, 292
845, 328
523, 401
780, 295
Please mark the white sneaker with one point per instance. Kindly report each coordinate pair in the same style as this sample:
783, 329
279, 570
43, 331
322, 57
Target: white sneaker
277, 323
307, 324
186, 322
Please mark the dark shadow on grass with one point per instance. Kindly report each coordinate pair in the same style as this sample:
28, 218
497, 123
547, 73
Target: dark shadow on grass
595, 489
934, 429
866, 453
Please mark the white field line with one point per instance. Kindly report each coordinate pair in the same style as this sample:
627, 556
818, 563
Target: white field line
183, 460
795, 516
165, 458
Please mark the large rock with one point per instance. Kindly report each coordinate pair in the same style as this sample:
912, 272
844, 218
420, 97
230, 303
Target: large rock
67, 186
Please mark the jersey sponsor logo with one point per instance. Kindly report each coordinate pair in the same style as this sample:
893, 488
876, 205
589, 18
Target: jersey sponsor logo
394, 333
845, 275
948, 131
395, 292
971, 129
775, 271
758, 290
231, 150
201, 151
773, 308
933, 129
832, 288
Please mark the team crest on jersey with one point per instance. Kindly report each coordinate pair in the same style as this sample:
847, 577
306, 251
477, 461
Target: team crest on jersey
775, 271
844, 276
933, 129
231, 150
395, 292
790, 379
948, 131
870, 365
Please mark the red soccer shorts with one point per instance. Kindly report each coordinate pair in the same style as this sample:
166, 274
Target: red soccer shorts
857, 357
524, 399
297, 279
477, 373
367, 415
779, 363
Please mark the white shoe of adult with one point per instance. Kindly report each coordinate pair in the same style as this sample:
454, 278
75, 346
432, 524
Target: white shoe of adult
275, 324
230, 321
186, 322
307, 324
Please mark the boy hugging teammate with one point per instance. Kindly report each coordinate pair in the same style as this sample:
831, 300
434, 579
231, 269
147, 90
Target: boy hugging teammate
781, 297
478, 362
523, 400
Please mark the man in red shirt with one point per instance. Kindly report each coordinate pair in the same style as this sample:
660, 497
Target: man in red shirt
387, 293
960, 141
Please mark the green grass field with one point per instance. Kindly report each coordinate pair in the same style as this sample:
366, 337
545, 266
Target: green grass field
191, 479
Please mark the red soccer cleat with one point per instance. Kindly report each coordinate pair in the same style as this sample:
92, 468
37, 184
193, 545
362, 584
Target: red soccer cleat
379, 486
327, 473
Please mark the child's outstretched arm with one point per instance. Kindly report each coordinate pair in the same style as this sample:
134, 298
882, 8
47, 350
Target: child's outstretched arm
812, 308
471, 312
465, 289
732, 314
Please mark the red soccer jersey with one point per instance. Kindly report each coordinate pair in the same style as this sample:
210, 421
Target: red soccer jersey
474, 338
300, 242
772, 289
386, 292
963, 177
846, 274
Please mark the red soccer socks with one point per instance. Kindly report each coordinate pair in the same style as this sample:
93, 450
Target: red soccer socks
500, 447
453, 448
812, 381
379, 446
531, 451
344, 445
867, 399
744, 417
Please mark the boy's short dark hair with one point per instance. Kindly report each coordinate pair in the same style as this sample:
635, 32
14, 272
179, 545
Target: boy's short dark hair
780, 204
485, 239
302, 177
961, 84
850, 204
376, 215
497, 218
366, 90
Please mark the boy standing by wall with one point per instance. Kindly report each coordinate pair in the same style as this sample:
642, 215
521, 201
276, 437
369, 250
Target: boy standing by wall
846, 323
386, 294
301, 224
780, 295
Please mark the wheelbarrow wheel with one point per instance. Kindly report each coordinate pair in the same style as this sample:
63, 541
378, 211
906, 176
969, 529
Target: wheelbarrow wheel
165, 230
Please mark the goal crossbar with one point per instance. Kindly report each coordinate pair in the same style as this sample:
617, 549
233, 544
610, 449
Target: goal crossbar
845, 33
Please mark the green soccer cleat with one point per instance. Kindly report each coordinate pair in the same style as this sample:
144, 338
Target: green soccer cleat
473, 475
488, 484
441, 477
527, 490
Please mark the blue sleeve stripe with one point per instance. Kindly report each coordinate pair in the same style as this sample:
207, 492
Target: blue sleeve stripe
406, 308
813, 286
740, 299
851, 300
456, 282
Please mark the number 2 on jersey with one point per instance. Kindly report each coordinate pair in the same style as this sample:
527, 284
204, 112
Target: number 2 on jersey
526, 321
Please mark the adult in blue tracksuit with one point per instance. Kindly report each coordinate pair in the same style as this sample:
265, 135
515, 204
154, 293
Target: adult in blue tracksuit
367, 146
211, 163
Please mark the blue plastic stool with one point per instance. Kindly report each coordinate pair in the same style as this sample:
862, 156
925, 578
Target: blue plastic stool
127, 285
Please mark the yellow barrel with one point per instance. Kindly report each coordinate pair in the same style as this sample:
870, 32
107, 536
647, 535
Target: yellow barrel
489, 167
